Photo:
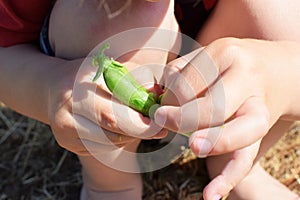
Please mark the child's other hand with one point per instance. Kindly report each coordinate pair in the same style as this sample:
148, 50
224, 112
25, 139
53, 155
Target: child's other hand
82, 113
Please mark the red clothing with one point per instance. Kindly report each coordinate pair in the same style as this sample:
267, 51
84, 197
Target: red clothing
21, 21
209, 4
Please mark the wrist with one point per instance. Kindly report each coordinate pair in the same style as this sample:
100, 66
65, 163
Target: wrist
59, 86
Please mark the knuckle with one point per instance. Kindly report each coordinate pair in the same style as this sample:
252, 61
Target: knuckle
182, 90
107, 120
232, 48
224, 52
226, 46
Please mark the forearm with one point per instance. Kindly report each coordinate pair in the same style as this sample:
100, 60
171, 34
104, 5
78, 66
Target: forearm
25, 80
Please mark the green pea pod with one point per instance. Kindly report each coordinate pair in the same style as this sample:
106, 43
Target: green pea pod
122, 84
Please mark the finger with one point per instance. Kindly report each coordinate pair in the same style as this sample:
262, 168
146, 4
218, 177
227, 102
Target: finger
192, 116
225, 96
105, 111
93, 101
78, 140
172, 78
178, 119
250, 124
236, 168
202, 70
221, 101
133, 123
98, 110
177, 65
128, 123
89, 131
93, 139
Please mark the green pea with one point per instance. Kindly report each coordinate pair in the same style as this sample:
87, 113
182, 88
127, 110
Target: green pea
122, 84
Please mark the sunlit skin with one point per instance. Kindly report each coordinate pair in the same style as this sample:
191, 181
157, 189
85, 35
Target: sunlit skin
52, 104
210, 32
260, 61
74, 44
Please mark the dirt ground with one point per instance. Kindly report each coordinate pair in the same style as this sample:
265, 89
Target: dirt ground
33, 166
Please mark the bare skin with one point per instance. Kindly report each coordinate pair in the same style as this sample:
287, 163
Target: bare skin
209, 34
56, 77
258, 184
101, 181
252, 19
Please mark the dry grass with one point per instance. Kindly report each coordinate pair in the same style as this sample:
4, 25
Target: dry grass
283, 160
33, 166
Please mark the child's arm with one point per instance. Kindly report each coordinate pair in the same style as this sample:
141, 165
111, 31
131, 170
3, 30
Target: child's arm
27, 77
41, 87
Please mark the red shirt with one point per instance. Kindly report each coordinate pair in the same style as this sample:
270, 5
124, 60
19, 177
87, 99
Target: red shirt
21, 21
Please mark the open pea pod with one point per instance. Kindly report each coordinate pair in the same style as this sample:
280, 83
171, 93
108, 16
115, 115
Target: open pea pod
122, 84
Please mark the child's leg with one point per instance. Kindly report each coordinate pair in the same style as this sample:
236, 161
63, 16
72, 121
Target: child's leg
258, 184
104, 182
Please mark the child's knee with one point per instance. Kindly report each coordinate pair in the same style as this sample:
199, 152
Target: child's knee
76, 27
69, 28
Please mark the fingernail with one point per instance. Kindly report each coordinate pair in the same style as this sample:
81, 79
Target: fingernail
160, 116
217, 197
202, 146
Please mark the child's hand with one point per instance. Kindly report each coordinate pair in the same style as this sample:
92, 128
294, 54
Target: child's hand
230, 95
82, 113
232, 86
